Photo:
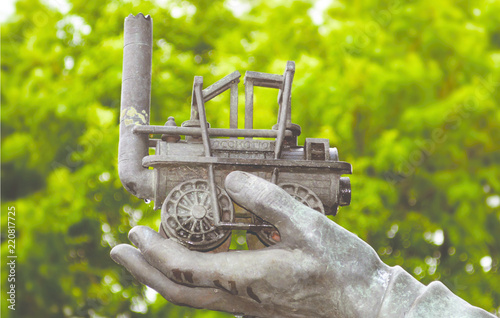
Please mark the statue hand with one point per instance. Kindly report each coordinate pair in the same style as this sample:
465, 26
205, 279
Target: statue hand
318, 269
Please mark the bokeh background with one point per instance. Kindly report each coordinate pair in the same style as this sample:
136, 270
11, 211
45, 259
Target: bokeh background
407, 90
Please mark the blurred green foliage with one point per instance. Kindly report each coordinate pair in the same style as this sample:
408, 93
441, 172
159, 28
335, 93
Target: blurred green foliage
408, 90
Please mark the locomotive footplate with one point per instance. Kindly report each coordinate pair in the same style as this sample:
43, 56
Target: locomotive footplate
284, 165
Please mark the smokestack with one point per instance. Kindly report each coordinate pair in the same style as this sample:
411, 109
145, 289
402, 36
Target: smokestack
135, 104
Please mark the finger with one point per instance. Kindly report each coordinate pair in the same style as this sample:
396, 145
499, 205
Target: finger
232, 272
131, 258
197, 297
293, 219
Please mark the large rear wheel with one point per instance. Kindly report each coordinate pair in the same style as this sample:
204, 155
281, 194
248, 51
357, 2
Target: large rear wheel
188, 216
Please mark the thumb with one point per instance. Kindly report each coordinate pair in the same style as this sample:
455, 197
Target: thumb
273, 204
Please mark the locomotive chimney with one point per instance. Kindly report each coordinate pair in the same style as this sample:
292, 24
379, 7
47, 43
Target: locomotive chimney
135, 104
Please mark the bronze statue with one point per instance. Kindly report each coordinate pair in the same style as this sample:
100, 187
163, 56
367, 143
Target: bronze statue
311, 267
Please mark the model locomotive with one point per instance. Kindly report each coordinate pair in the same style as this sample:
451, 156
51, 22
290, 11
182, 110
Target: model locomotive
185, 177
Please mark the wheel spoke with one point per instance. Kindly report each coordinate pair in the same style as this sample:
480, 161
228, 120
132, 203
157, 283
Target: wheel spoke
186, 196
187, 221
200, 224
205, 199
210, 214
184, 207
205, 221
196, 198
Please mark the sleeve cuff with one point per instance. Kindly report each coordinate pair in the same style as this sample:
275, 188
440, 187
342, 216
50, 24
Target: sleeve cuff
407, 297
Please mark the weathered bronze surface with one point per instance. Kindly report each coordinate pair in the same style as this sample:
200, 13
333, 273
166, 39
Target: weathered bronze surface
187, 175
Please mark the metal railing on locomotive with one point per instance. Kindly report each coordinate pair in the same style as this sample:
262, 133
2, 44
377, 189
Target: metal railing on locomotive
188, 175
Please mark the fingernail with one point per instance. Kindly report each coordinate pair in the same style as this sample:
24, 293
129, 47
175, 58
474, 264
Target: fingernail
134, 237
115, 255
236, 180
117, 259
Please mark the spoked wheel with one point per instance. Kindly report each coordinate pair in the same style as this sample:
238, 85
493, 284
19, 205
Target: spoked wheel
304, 196
187, 215
270, 236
